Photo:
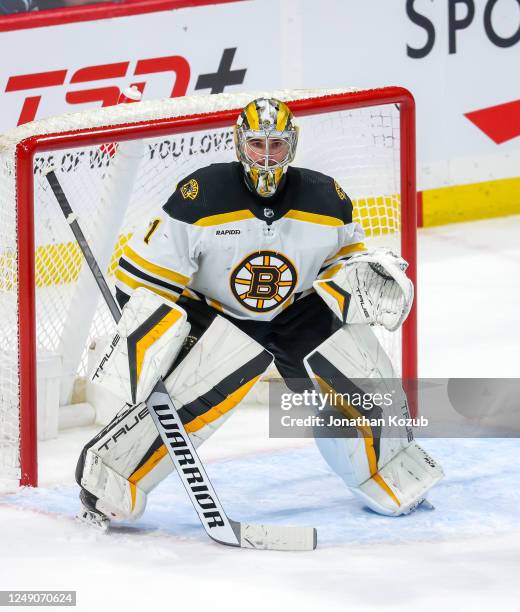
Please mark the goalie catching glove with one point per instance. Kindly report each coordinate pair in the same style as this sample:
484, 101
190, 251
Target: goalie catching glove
370, 288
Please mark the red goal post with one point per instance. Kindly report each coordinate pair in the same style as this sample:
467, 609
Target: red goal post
177, 117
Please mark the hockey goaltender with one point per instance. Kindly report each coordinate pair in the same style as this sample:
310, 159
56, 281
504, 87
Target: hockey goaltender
247, 262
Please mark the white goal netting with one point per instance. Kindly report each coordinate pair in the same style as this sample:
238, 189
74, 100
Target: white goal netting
113, 189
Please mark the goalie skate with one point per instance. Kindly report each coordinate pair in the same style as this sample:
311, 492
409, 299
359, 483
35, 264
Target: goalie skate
91, 517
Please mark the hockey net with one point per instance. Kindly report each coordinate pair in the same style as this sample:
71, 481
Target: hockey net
117, 165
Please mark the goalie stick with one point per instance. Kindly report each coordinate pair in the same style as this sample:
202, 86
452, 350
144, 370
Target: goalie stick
191, 471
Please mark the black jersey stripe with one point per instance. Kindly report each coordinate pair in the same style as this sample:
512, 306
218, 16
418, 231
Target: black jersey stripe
126, 265
333, 263
145, 264
348, 250
128, 281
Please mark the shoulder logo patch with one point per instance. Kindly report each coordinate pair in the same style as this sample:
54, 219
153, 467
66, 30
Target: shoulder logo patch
190, 190
341, 194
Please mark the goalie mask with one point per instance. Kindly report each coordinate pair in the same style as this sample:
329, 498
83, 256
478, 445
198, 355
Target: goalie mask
265, 141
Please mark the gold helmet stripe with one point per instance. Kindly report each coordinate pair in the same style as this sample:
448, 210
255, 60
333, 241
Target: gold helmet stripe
282, 117
252, 117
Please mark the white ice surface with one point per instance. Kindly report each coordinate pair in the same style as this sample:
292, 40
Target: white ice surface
465, 555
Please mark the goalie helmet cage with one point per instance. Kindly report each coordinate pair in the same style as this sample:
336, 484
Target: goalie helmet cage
173, 118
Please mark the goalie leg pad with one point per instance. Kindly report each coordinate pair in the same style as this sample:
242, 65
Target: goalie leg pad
396, 488
409, 475
146, 342
217, 374
382, 465
127, 459
119, 466
116, 497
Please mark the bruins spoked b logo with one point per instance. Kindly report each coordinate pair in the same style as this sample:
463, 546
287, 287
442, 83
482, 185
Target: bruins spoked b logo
263, 280
190, 190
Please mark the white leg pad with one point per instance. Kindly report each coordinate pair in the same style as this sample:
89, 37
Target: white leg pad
124, 462
383, 465
409, 476
117, 497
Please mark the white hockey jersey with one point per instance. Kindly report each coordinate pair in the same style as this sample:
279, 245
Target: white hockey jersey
246, 256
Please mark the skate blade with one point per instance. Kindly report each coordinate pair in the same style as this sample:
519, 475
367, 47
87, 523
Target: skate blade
426, 505
97, 522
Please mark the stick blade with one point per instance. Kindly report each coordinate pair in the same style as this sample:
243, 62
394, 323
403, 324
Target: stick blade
277, 537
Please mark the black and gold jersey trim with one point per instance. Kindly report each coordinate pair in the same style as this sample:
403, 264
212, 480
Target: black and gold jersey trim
166, 273
223, 218
224, 197
314, 193
347, 251
152, 280
133, 283
344, 254
135, 271
318, 219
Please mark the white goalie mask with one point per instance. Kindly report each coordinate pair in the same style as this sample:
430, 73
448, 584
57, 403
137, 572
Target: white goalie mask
265, 141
